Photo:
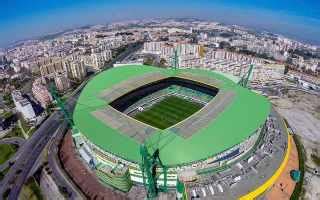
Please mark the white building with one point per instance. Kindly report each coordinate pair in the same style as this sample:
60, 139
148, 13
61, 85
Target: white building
23, 106
188, 49
62, 82
52, 66
166, 50
97, 60
153, 47
77, 70
41, 93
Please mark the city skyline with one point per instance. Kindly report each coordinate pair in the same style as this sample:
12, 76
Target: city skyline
22, 21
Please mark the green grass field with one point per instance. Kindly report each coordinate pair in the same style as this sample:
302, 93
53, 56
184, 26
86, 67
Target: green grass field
168, 112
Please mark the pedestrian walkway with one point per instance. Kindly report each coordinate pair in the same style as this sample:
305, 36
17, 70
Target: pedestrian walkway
284, 186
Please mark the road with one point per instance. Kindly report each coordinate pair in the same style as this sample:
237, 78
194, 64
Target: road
278, 88
132, 48
58, 174
29, 153
13, 140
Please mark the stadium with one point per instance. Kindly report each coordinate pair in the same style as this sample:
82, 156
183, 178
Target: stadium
198, 122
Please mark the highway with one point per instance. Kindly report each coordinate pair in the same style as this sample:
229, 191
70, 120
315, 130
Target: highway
29, 152
132, 48
58, 174
16, 141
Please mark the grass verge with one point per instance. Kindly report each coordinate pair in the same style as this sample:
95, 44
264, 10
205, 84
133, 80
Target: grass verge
15, 132
316, 159
31, 191
3, 173
7, 151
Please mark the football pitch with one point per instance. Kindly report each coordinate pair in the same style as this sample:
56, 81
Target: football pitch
168, 112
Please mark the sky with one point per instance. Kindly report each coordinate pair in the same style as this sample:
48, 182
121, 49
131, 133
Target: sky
22, 19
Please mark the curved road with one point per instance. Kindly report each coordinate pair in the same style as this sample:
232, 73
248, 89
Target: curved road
59, 175
13, 140
28, 154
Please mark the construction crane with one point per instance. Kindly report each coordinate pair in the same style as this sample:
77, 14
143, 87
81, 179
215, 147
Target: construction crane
244, 81
152, 168
60, 103
67, 116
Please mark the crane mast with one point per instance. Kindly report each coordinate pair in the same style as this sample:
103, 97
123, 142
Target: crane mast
152, 168
245, 79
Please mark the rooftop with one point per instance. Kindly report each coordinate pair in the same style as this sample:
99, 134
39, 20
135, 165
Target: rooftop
242, 115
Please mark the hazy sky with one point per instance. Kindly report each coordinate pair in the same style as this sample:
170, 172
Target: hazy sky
20, 19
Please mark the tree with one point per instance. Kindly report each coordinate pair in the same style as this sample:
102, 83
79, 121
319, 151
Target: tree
7, 98
224, 45
286, 69
6, 193
148, 61
162, 63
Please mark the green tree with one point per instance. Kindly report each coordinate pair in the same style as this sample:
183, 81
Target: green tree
162, 63
8, 100
148, 61
286, 69
224, 45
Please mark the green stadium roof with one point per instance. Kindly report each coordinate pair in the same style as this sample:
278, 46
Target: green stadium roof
240, 119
